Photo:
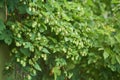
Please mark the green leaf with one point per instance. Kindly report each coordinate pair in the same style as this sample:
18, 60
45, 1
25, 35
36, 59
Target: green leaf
45, 50
115, 1
36, 66
106, 53
113, 59
22, 9
29, 12
52, 39
25, 51
28, 45
2, 26
2, 36
8, 40
118, 58
70, 66
1, 3
43, 28
117, 37
6, 36
57, 72
65, 17
12, 4
32, 37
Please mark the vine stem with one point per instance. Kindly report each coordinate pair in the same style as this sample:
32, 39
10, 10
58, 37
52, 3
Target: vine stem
5, 2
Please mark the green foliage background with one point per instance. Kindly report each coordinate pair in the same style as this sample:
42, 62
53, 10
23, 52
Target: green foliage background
62, 39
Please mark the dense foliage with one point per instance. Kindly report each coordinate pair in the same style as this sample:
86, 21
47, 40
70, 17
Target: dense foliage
62, 39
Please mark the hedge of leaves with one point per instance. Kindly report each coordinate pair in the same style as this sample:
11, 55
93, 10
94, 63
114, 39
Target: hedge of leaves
63, 39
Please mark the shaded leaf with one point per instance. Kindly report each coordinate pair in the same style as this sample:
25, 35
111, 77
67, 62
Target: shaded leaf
8, 40
118, 58
2, 26
25, 51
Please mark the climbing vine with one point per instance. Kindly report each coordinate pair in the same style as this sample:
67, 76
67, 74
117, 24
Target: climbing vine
62, 39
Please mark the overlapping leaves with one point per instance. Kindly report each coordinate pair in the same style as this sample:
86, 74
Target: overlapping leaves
58, 39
